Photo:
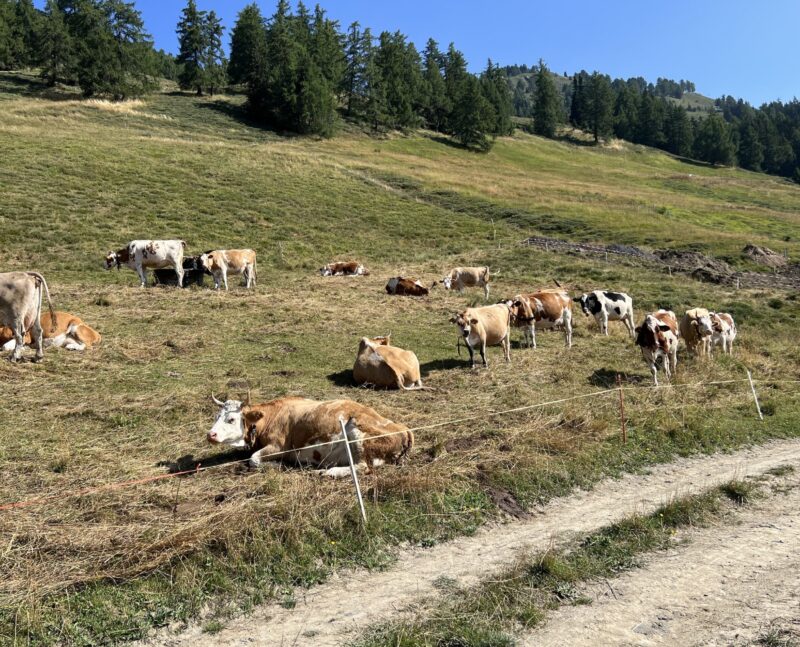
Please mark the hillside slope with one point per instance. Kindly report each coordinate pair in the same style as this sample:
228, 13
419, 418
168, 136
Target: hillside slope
84, 177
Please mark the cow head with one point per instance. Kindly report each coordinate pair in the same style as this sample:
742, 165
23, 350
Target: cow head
111, 260
521, 309
584, 301
382, 340
703, 325
651, 333
464, 324
325, 271
447, 282
229, 427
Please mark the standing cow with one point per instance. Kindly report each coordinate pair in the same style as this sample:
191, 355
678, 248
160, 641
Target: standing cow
141, 255
21, 309
658, 338
696, 329
543, 310
222, 261
608, 306
466, 277
486, 326
724, 333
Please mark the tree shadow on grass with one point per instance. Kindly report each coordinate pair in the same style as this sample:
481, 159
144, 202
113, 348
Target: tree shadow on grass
191, 462
241, 114
607, 379
28, 86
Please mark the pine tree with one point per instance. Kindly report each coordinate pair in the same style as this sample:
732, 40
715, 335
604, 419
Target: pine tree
678, 133
626, 113
375, 103
25, 34
713, 142
522, 105
248, 47
399, 67
192, 44
455, 81
57, 50
473, 117
497, 93
650, 123
354, 79
578, 113
435, 104
750, 151
599, 106
213, 61
546, 106
327, 50
7, 19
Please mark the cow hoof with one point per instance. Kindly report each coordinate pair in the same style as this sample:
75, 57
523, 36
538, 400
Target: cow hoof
37, 359
255, 462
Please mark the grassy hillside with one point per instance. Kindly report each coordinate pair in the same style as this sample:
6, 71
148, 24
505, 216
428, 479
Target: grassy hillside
81, 178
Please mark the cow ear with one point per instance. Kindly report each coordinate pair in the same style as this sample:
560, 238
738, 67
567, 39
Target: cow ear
664, 328
576, 299
253, 417
453, 319
474, 322
637, 330
695, 323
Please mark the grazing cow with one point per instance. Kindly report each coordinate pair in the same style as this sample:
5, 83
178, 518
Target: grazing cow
59, 329
544, 309
696, 330
466, 277
292, 426
221, 261
21, 309
193, 273
346, 268
485, 326
141, 255
658, 339
386, 366
411, 287
608, 306
724, 333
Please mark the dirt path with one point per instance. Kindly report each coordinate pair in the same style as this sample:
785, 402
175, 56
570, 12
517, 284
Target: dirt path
332, 613
724, 588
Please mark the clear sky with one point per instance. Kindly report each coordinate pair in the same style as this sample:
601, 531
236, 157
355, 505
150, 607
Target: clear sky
744, 48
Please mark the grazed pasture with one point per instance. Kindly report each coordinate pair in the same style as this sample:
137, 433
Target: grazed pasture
82, 178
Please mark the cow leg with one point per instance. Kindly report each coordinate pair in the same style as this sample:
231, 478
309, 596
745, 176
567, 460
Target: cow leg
142, 275
471, 355
603, 321
629, 324
533, 335
179, 272
264, 457
339, 472
507, 346
654, 371
19, 339
483, 353
225, 278
486, 291
36, 339
568, 327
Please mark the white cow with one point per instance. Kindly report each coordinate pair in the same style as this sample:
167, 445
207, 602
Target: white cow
21, 309
141, 255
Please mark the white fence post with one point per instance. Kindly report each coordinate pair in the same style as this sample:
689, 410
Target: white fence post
353, 470
755, 397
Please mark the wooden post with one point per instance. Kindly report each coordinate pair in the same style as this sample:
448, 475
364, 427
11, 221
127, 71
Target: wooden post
738, 285
606, 256
622, 410
669, 269
353, 470
755, 397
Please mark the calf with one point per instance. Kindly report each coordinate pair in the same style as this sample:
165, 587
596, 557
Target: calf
290, 430
142, 255
466, 277
482, 327
386, 366
21, 309
59, 329
346, 268
696, 329
658, 339
221, 261
608, 306
543, 309
193, 273
401, 286
724, 331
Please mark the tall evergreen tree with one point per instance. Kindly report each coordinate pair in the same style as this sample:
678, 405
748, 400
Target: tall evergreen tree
25, 34
578, 112
354, 84
399, 65
455, 80
626, 112
522, 105
599, 106
375, 100
650, 124
497, 93
248, 47
213, 61
547, 104
750, 151
436, 106
192, 47
7, 18
473, 118
57, 50
678, 133
713, 142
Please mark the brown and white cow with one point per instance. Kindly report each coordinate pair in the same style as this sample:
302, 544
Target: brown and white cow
658, 339
221, 262
724, 333
285, 431
141, 255
485, 326
696, 330
544, 309
386, 366
21, 309
344, 268
466, 277
402, 286
59, 329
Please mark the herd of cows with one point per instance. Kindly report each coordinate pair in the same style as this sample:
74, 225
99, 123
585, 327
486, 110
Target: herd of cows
311, 433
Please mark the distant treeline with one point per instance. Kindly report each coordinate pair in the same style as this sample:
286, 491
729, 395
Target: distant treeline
729, 132
302, 73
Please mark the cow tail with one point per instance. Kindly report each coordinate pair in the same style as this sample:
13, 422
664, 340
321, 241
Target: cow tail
558, 285
183, 244
486, 275
458, 345
40, 278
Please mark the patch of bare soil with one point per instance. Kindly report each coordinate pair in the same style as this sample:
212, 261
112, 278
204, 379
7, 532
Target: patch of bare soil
729, 585
764, 256
334, 613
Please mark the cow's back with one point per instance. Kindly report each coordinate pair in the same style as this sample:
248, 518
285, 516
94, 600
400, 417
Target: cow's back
553, 303
494, 319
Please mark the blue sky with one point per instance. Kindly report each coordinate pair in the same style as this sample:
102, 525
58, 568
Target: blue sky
743, 48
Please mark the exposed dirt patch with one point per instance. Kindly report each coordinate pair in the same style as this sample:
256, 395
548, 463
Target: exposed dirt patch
333, 613
764, 256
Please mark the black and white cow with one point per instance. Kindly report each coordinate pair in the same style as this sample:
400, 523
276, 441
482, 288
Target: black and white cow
608, 306
193, 273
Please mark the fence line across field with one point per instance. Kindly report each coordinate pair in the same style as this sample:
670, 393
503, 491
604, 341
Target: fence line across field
486, 414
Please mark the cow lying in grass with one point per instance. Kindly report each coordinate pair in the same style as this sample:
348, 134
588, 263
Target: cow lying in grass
385, 366
345, 268
406, 287
59, 329
291, 430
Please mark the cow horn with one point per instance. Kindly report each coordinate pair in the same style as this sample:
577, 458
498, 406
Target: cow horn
217, 402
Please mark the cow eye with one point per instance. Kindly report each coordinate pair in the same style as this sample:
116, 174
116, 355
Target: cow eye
231, 420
